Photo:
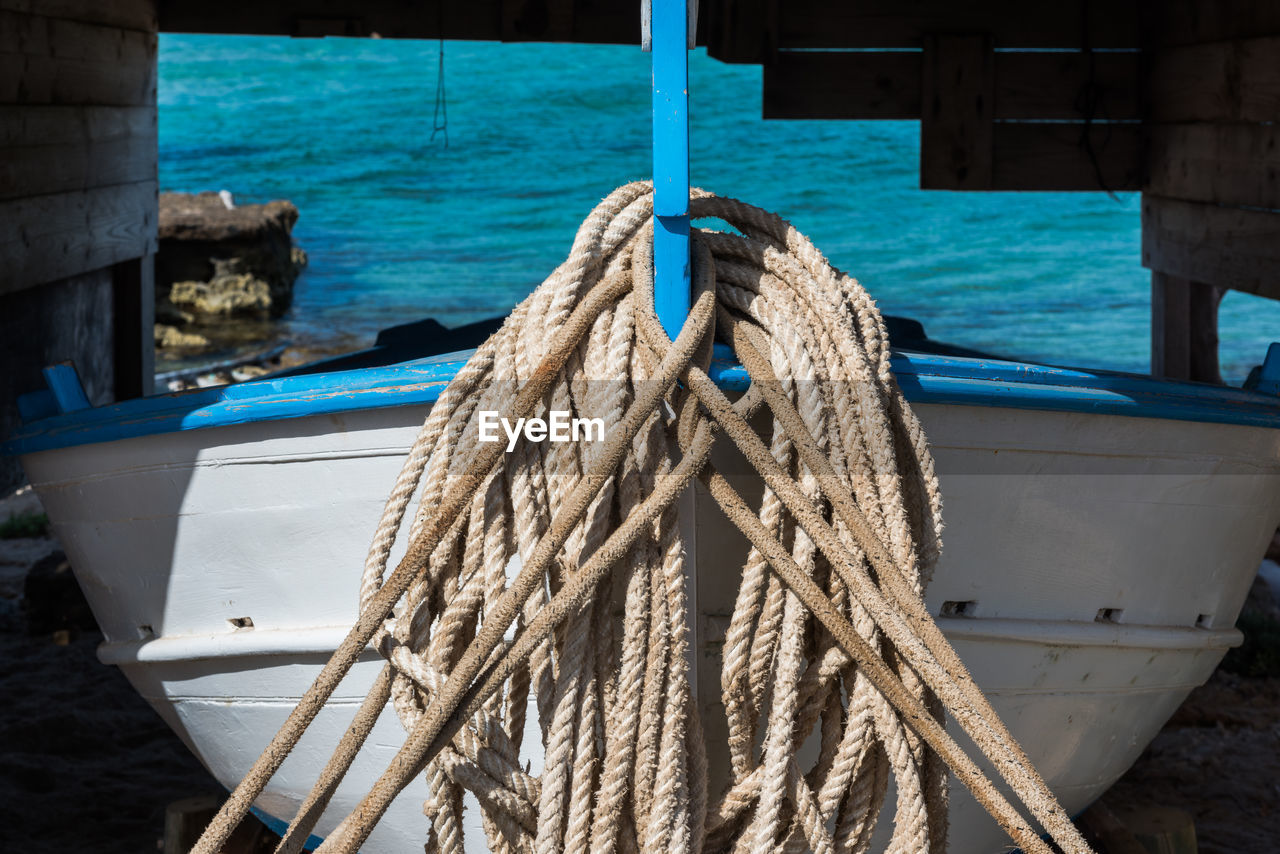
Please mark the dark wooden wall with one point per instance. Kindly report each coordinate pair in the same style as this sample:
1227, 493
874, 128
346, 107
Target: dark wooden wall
1010, 95
1211, 210
77, 196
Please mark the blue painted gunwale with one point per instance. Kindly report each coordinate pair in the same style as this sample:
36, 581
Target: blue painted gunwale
924, 378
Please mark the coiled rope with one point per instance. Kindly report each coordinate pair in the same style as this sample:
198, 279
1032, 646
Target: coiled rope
829, 634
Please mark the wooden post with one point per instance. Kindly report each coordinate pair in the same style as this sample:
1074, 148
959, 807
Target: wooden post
133, 319
1203, 311
1170, 327
1184, 329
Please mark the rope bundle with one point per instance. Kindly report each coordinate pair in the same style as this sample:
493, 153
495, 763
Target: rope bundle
829, 635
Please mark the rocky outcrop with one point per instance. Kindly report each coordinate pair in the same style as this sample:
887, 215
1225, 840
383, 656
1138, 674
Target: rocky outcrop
172, 338
220, 264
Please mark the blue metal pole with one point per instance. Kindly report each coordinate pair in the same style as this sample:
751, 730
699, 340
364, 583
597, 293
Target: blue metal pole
670, 33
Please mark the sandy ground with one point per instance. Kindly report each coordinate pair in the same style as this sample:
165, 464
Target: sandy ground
1219, 760
86, 766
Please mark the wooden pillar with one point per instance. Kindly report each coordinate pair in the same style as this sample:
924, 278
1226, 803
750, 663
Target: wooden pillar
1184, 329
1170, 327
1211, 204
133, 321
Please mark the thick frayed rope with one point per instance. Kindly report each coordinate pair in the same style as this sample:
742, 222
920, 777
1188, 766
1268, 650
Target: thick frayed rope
517, 563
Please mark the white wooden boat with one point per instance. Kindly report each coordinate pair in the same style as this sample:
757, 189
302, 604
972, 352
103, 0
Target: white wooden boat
1102, 533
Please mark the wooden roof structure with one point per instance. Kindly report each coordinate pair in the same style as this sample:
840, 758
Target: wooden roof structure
1178, 99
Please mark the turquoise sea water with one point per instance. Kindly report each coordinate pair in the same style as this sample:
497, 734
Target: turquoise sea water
398, 226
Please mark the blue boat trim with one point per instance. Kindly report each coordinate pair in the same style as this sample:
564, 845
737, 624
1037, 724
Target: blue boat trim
924, 378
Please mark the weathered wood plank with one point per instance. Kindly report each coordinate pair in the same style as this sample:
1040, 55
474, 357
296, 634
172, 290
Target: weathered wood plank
1101, 86
1176, 22
316, 28
538, 20
58, 125
818, 24
861, 85
475, 20
886, 85
1234, 248
35, 170
1067, 156
55, 149
1022, 155
1230, 164
44, 80
739, 31
36, 35
127, 14
957, 94
55, 61
1233, 81
594, 21
56, 236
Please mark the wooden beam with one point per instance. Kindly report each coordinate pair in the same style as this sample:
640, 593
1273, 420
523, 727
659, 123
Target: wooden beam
66, 125
1076, 85
65, 234
1178, 22
480, 19
54, 149
887, 85
538, 20
56, 61
739, 31
593, 21
126, 14
821, 24
1066, 156
39, 36
956, 123
860, 85
1228, 164
1234, 248
1009, 155
318, 28
1233, 81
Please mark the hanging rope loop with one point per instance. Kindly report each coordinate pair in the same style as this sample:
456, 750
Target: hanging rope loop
506, 598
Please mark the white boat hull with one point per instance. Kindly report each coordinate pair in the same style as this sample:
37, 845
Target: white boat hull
1096, 564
